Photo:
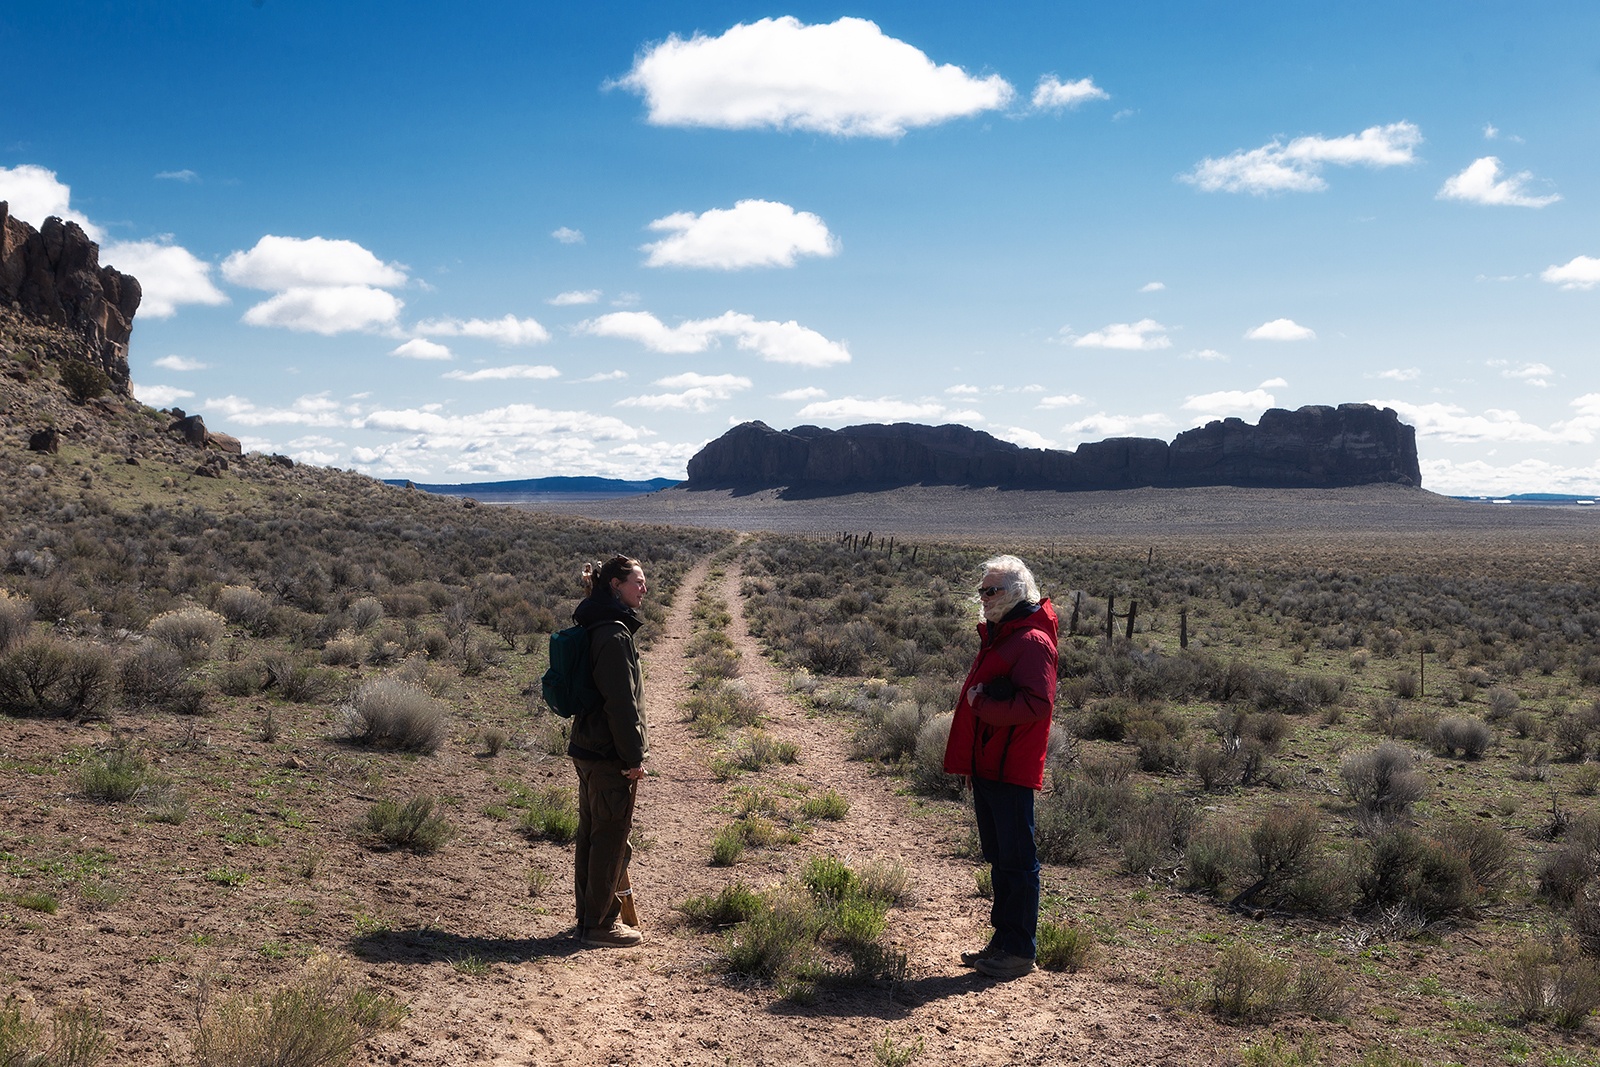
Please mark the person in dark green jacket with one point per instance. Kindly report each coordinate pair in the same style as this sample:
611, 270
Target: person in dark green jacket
609, 745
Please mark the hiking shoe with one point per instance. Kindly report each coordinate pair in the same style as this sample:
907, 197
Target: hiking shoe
971, 957
616, 936
1003, 965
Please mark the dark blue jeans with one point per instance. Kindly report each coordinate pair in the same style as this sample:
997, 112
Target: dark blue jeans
1005, 831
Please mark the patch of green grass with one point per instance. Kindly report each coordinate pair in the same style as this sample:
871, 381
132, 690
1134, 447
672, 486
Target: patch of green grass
551, 814
411, 825
470, 965
226, 876
36, 902
732, 904
830, 805
1064, 946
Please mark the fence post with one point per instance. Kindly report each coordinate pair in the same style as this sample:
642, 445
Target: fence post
1133, 611
1422, 676
1183, 628
1077, 602
1111, 604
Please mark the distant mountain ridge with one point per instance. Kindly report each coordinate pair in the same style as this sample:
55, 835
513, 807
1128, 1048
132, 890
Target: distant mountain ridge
1313, 447
541, 485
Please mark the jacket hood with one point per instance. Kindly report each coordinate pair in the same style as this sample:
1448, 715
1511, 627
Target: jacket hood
604, 606
1041, 618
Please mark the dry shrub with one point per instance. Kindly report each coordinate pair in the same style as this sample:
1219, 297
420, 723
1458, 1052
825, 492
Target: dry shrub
365, 613
411, 825
16, 617
1283, 847
1502, 703
1470, 736
1323, 990
927, 768
393, 713
1403, 866
1064, 946
1217, 852
1540, 982
1247, 985
243, 606
77, 1036
1381, 782
49, 677
342, 650
315, 1021
190, 631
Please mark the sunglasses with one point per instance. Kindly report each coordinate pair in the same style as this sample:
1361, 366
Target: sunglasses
991, 590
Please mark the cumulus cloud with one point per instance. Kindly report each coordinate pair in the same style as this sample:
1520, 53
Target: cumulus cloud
1053, 94
315, 409
160, 396
1273, 383
279, 263
35, 193
1070, 400
1206, 354
176, 362
518, 440
963, 390
327, 310
576, 296
169, 275
1152, 287
568, 236
777, 342
752, 233
1454, 424
1281, 330
883, 409
1296, 167
1100, 426
1477, 478
810, 392
697, 392
492, 374
1141, 336
1017, 435
606, 376
1532, 373
1581, 272
1478, 184
1398, 374
506, 331
844, 78
418, 348
1229, 402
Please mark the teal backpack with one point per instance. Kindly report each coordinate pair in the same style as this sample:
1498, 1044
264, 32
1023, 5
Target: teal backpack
568, 686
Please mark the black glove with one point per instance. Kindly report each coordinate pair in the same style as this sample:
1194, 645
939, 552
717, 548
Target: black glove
999, 689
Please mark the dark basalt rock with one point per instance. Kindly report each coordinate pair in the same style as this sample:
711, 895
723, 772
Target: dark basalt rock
55, 274
48, 440
1314, 447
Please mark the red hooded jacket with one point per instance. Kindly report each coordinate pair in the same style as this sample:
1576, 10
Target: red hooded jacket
1006, 740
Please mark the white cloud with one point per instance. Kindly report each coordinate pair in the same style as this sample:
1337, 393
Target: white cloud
810, 392
1071, 400
327, 310
160, 396
1281, 330
1273, 383
35, 193
168, 275
1206, 354
1101, 426
282, 263
1477, 185
518, 440
1532, 373
1141, 336
1451, 423
1477, 478
752, 233
312, 410
506, 331
417, 348
1490, 131
964, 415
568, 236
491, 374
607, 376
576, 296
1053, 93
1296, 167
179, 175
964, 390
1152, 287
698, 392
625, 300
777, 342
1019, 436
1581, 272
1397, 374
843, 78
880, 410
1222, 404
176, 362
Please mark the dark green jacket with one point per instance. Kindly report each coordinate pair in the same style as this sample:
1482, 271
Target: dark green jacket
616, 730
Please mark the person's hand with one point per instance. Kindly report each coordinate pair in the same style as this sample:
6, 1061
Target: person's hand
635, 773
973, 694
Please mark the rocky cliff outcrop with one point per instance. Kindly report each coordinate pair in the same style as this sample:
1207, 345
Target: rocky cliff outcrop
54, 274
1314, 447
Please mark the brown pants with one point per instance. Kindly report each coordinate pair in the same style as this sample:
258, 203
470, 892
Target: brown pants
601, 852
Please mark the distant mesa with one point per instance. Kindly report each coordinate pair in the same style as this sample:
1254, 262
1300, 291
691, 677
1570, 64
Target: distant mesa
1314, 447
540, 486
54, 274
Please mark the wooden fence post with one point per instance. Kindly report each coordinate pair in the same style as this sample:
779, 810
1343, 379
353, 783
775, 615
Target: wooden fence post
1183, 628
1111, 604
1133, 612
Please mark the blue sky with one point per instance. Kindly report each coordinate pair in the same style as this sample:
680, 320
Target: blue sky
517, 240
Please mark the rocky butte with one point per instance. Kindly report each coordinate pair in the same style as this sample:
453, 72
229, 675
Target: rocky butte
53, 275
1314, 447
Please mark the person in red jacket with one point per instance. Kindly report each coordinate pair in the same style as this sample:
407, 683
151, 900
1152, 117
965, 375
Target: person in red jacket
998, 741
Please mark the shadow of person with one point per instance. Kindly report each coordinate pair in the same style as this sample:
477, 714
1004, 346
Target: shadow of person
885, 1000
426, 944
